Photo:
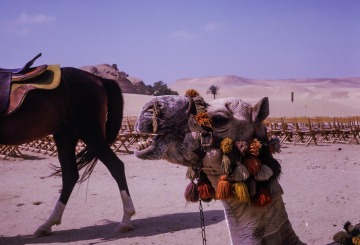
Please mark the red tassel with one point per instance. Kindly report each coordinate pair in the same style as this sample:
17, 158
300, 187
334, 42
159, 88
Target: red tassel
223, 189
253, 164
263, 198
206, 191
191, 192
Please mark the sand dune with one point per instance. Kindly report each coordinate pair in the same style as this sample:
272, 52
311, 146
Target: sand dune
312, 97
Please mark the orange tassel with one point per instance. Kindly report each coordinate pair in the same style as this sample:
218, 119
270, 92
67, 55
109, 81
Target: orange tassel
223, 189
255, 147
263, 198
253, 164
192, 93
191, 192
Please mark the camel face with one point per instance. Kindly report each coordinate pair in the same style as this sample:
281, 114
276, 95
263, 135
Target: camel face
169, 117
234, 118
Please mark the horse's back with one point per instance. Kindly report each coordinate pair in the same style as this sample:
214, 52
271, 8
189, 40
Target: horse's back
80, 101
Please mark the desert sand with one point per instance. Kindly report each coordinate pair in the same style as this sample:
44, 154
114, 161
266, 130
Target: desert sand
320, 183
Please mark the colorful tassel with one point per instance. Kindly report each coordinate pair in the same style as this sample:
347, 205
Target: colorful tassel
191, 174
223, 189
263, 198
203, 119
356, 240
191, 192
226, 165
240, 173
241, 192
264, 173
242, 147
255, 147
226, 145
252, 164
205, 189
192, 93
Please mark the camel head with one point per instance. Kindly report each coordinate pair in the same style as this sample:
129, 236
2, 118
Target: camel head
178, 136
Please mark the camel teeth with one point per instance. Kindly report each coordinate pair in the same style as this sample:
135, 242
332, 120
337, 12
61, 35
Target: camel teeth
141, 145
144, 144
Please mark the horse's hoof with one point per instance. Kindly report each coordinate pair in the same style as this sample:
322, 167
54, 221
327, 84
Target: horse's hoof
124, 227
42, 232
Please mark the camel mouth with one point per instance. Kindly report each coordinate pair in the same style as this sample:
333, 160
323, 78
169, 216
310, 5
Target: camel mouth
146, 147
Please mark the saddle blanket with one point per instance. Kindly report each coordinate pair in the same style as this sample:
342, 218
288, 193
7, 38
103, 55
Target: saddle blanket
48, 80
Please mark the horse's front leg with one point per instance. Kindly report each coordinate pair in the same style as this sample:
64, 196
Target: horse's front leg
66, 153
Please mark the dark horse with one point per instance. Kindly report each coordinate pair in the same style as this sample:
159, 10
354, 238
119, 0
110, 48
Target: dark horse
83, 106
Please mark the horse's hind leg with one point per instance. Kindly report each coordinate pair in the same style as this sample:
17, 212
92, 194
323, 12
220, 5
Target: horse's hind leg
65, 143
117, 170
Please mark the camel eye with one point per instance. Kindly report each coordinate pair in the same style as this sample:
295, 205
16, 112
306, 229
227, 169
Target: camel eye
218, 121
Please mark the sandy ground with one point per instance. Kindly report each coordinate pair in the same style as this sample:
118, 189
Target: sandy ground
320, 184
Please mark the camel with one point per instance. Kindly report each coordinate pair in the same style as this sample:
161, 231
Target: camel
226, 141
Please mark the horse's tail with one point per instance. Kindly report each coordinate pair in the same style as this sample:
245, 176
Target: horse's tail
86, 158
115, 110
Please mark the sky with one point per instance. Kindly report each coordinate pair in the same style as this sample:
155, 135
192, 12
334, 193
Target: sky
167, 40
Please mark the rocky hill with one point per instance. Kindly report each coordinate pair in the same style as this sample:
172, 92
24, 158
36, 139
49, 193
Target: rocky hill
131, 85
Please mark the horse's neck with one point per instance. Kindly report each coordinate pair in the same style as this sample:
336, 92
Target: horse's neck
249, 224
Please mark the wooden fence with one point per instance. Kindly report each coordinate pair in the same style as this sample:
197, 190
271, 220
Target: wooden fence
314, 130
290, 130
124, 143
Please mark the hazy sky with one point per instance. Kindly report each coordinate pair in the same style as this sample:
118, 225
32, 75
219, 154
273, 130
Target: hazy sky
173, 39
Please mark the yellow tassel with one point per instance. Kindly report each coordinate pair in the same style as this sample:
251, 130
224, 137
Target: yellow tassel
225, 164
241, 192
223, 188
226, 145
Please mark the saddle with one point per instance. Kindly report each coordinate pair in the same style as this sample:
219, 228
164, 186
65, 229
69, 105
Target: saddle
16, 83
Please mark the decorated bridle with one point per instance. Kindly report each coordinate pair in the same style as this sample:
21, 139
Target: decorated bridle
249, 172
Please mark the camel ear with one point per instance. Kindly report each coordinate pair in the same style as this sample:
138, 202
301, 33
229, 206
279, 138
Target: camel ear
260, 111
